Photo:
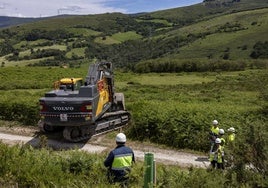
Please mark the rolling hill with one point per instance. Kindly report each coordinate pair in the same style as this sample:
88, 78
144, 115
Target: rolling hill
213, 30
6, 21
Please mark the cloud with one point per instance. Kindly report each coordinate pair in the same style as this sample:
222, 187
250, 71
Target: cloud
3, 5
40, 8
69, 9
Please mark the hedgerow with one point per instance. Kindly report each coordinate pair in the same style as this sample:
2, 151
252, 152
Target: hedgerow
195, 65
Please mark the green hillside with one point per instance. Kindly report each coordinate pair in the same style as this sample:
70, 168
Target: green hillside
212, 30
233, 34
207, 10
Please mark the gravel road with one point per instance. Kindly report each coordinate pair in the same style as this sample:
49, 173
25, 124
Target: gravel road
173, 157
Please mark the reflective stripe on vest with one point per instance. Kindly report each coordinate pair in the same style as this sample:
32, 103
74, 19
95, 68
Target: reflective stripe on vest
122, 161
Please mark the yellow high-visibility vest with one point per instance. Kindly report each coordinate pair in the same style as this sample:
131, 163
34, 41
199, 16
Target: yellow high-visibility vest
122, 161
222, 142
231, 137
217, 155
215, 130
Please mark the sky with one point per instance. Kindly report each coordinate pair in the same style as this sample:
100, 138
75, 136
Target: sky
45, 8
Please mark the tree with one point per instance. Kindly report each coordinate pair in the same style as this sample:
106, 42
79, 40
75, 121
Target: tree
260, 50
6, 48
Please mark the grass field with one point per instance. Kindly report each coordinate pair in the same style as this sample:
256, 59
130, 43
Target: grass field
106, 40
23, 62
29, 43
84, 32
126, 36
170, 109
215, 44
76, 51
118, 38
167, 79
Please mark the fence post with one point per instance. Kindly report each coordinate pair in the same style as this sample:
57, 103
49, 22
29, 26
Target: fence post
149, 179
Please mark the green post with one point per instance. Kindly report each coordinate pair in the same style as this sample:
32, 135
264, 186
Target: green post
149, 170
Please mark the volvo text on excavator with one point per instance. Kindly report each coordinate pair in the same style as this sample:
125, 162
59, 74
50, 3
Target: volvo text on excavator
93, 108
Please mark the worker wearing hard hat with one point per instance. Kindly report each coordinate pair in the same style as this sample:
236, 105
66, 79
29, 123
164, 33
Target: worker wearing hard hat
215, 129
230, 145
231, 136
119, 161
216, 155
214, 132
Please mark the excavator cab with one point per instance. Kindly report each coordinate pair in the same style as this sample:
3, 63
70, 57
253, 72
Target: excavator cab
69, 84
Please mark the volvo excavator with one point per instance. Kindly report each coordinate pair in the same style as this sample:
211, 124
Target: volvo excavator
91, 110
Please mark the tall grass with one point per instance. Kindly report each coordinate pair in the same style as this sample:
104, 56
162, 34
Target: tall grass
174, 109
24, 166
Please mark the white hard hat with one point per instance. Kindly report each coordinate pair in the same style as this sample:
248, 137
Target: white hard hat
121, 138
231, 129
221, 131
215, 122
218, 141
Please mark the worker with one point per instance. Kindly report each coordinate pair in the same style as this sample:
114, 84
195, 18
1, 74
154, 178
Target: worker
221, 136
119, 161
230, 146
231, 136
216, 155
215, 129
214, 133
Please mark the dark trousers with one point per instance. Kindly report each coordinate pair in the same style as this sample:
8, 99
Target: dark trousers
122, 180
217, 165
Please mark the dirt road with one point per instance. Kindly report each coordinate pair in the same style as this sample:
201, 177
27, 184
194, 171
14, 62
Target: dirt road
102, 144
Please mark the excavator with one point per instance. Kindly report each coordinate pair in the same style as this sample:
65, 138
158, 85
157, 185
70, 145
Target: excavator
92, 109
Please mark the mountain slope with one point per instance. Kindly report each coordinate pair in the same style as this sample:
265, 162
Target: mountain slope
234, 34
11, 21
229, 30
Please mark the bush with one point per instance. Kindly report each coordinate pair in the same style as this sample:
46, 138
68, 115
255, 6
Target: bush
25, 113
27, 167
178, 127
167, 65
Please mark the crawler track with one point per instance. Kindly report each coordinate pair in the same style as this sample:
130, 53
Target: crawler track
110, 121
